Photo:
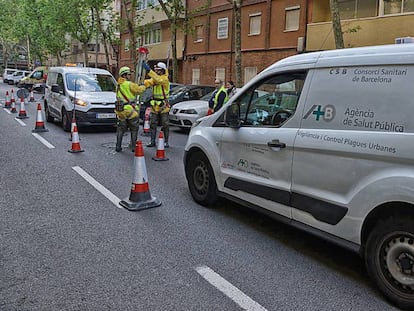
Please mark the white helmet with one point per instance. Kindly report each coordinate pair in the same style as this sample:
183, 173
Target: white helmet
161, 65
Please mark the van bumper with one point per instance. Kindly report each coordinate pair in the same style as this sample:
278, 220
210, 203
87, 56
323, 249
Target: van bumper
96, 117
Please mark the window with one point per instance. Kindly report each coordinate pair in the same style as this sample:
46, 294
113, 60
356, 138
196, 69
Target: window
145, 4
195, 76
255, 24
222, 28
199, 31
292, 18
93, 47
126, 45
351, 9
152, 36
249, 73
273, 101
221, 74
398, 6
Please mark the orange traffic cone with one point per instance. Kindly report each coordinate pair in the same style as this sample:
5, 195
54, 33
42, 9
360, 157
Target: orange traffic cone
7, 103
160, 155
22, 111
72, 127
12, 99
13, 107
147, 121
31, 99
140, 197
75, 141
40, 124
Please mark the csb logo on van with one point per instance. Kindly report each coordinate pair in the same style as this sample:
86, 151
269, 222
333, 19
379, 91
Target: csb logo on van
319, 112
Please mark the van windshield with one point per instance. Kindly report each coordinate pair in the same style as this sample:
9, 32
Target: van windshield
90, 82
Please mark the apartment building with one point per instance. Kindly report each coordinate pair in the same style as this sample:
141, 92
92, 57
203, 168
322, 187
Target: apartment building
364, 22
270, 30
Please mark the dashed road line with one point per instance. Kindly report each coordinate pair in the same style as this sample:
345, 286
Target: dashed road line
108, 194
228, 289
43, 141
7, 110
20, 121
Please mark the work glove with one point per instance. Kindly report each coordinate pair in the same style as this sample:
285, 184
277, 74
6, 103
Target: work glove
146, 66
210, 111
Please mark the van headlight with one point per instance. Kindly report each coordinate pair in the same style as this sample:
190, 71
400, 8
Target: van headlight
80, 102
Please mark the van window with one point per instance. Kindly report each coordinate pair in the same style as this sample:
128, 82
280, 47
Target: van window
272, 101
90, 82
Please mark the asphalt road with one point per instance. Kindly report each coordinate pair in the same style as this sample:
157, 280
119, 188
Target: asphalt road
66, 245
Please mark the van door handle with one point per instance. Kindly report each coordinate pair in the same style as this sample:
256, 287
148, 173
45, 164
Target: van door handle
276, 144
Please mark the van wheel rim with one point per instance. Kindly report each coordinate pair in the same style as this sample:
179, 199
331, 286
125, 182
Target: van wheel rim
200, 178
398, 261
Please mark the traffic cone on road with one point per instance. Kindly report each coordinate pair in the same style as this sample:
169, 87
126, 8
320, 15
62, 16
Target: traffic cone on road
140, 197
31, 98
13, 107
75, 141
7, 103
160, 155
40, 124
22, 111
147, 121
12, 99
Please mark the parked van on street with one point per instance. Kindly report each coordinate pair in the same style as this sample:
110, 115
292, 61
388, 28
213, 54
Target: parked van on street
87, 92
8, 72
331, 153
35, 80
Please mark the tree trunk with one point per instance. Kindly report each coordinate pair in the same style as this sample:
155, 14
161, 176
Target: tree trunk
237, 43
174, 52
336, 24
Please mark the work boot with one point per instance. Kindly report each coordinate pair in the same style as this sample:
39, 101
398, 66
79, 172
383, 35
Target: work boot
166, 145
151, 144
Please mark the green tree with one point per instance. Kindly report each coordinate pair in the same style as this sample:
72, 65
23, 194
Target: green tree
336, 24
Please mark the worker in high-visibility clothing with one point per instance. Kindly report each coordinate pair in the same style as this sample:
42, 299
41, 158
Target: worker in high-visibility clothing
159, 104
219, 98
127, 112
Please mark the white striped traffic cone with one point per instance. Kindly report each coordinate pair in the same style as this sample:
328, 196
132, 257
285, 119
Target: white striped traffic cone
160, 155
13, 107
140, 197
22, 111
75, 141
147, 121
7, 103
12, 99
40, 124
31, 98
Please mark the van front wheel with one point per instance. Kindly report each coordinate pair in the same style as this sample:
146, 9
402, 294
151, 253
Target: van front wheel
201, 179
389, 259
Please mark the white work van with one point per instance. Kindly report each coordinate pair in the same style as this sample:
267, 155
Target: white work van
327, 147
89, 93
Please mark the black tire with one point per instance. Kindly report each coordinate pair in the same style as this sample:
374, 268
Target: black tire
201, 180
66, 122
389, 259
49, 118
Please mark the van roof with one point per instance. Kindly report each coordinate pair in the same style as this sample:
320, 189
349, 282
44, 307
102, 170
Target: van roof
69, 69
371, 55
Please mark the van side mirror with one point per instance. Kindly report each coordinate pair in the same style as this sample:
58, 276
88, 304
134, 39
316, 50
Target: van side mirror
232, 116
55, 88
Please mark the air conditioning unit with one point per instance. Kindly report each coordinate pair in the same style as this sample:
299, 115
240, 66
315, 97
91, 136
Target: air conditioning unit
301, 44
404, 40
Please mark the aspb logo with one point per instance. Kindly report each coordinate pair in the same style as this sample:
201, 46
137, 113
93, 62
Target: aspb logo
319, 112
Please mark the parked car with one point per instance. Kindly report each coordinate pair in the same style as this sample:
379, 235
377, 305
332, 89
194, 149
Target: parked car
36, 80
8, 72
17, 76
188, 92
184, 114
90, 92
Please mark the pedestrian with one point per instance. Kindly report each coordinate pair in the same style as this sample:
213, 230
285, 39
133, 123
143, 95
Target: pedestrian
231, 88
219, 97
127, 112
159, 102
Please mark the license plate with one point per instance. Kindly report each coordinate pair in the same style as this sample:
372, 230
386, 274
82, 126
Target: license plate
105, 115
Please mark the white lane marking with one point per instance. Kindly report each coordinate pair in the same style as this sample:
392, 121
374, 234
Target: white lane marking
7, 110
235, 294
43, 141
20, 121
108, 194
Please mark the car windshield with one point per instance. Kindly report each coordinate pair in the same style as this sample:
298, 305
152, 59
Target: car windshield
207, 96
178, 90
90, 82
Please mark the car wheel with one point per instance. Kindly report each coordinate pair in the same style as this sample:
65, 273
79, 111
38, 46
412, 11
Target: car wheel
49, 118
389, 259
65, 120
200, 178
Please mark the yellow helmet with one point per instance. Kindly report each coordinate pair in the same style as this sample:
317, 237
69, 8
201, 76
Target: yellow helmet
124, 70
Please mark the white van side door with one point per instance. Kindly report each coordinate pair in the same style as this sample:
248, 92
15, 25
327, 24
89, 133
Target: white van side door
256, 159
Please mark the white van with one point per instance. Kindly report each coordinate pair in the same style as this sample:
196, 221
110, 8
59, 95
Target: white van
8, 72
91, 91
331, 152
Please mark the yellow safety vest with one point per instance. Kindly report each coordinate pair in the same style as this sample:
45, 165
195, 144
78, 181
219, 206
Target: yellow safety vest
125, 95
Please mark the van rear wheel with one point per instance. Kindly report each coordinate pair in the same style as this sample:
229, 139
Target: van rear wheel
201, 179
389, 259
49, 118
